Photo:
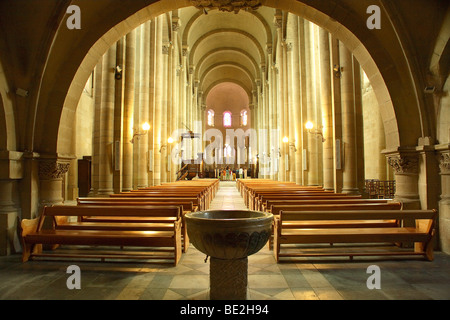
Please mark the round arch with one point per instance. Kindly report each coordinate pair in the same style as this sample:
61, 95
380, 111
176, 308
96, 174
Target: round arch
383, 69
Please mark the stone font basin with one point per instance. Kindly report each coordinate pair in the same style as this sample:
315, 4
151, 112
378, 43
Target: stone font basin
229, 234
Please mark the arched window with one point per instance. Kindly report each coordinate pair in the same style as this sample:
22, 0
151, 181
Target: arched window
227, 119
211, 118
244, 118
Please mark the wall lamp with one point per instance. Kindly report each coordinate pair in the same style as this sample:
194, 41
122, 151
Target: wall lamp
118, 72
137, 134
309, 125
169, 141
337, 70
291, 144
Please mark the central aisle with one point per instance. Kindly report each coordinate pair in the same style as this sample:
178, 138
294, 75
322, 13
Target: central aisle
228, 197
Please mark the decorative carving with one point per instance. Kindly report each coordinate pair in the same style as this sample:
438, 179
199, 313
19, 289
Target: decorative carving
228, 279
444, 163
231, 245
52, 169
404, 163
227, 5
175, 25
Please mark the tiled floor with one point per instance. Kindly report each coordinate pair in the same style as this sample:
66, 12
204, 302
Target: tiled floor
267, 280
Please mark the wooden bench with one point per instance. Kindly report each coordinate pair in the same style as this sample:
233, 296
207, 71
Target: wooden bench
267, 204
422, 234
186, 207
317, 197
159, 198
331, 207
160, 231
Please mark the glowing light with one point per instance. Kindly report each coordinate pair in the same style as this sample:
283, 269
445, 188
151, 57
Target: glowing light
309, 125
146, 126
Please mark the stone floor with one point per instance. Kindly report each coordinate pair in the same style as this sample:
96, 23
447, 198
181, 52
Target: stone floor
402, 279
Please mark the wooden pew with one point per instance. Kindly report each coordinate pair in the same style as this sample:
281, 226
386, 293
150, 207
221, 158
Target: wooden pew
267, 204
422, 234
161, 229
186, 207
276, 209
333, 207
160, 197
313, 196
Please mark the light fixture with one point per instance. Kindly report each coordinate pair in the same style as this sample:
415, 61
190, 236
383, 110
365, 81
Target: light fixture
292, 144
169, 141
118, 72
137, 134
309, 126
337, 70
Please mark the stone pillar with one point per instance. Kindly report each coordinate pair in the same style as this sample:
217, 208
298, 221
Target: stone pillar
292, 100
11, 172
105, 181
405, 164
72, 176
128, 112
301, 120
97, 123
159, 100
174, 92
444, 203
9, 217
117, 149
311, 108
350, 183
327, 115
164, 111
51, 173
144, 108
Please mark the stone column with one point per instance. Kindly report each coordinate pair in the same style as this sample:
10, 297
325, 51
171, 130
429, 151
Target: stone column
96, 134
159, 100
350, 183
117, 157
9, 217
152, 104
72, 176
327, 115
311, 108
444, 203
12, 172
301, 110
128, 112
144, 107
51, 173
405, 164
164, 112
105, 181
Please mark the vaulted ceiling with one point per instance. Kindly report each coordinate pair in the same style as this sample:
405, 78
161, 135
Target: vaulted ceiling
226, 47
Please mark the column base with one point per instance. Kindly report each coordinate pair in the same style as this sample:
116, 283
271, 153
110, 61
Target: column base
351, 191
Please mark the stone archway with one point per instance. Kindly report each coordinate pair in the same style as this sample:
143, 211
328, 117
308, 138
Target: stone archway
59, 99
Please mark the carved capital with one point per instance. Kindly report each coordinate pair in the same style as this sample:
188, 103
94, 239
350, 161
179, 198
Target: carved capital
444, 163
227, 5
404, 163
52, 169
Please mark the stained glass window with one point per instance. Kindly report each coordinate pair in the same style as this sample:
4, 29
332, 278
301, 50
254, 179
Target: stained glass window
211, 118
244, 118
227, 119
